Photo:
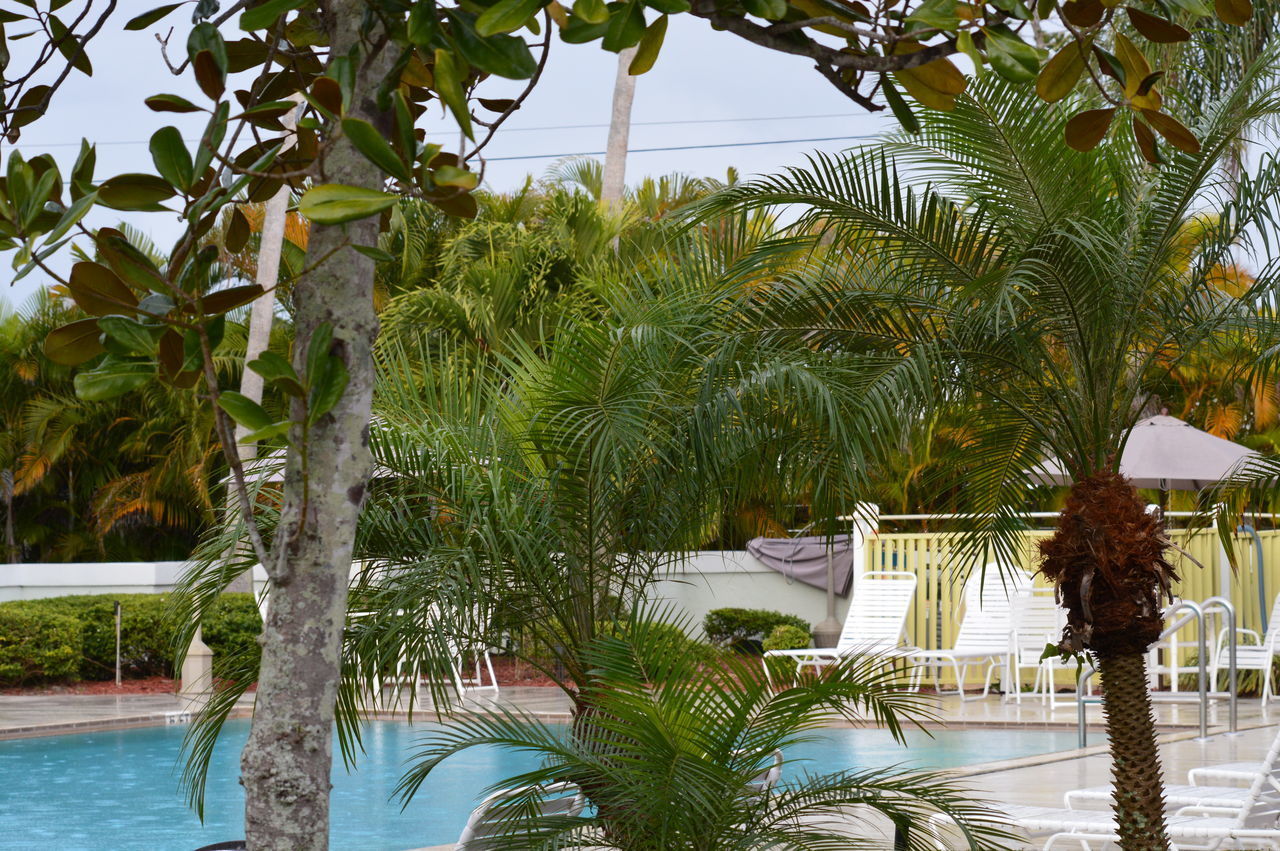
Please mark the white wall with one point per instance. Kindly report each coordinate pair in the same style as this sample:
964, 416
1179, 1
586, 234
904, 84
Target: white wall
703, 581
31, 581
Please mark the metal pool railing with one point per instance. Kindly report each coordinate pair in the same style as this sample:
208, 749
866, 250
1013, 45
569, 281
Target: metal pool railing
938, 609
1184, 613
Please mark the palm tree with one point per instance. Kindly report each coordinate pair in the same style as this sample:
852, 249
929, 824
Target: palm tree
544, 491
1046, 287
670, 763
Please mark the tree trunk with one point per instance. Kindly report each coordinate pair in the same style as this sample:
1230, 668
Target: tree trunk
614, 182
287, 760
261, 318
1135, 762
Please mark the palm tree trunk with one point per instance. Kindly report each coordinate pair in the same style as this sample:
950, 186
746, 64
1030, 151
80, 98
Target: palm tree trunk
615, 157
1135, 762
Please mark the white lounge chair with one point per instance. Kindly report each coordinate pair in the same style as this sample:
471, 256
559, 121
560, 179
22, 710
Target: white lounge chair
492, 817
875, 624
1251, 825
1251, 657
1037, 620
1195, 794
984, 633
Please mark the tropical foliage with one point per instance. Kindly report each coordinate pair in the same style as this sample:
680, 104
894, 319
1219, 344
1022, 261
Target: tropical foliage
672, 750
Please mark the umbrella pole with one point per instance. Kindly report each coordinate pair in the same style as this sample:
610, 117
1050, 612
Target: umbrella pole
827, 633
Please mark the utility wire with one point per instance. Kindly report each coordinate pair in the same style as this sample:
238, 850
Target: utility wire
680, 121
682, 148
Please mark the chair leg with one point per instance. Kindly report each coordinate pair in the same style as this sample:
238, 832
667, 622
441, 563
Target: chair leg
493, 678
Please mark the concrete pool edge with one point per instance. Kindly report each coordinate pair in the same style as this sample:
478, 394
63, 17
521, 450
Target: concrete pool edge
979, 769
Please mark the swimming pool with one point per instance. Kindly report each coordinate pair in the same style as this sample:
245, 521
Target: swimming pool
117, 790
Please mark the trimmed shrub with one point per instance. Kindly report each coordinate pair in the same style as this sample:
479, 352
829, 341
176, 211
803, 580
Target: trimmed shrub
787, 637
38, 645
744, 629
147, 632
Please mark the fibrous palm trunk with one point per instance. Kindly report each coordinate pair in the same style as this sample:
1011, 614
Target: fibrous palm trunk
1135, 763
1107, 562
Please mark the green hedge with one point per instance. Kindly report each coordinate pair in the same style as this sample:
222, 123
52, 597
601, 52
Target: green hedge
73, 638
744, 629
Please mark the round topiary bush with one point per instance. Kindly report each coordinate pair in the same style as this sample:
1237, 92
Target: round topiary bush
787, 637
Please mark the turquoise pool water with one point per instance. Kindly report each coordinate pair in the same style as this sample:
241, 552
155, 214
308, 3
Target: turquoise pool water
117, 790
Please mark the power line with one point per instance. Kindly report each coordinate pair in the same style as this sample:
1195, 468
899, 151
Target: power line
680, 121
681, 148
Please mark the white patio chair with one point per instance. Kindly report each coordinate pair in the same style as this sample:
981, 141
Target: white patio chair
1251, 825
1037, 620
984, 633
875, 624
1196, 793
409, 671
1251, 657
493, 816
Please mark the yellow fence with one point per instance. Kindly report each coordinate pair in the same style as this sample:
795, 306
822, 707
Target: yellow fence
938, 609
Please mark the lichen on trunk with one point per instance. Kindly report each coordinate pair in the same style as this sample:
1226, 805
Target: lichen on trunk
287, 760
1107, 560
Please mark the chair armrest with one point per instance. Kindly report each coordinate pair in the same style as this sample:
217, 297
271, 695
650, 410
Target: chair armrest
1199, 810
1240, 630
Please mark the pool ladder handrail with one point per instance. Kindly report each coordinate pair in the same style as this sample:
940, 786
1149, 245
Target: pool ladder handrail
1196, 612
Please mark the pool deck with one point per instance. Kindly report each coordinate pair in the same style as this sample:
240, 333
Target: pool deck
1039, 780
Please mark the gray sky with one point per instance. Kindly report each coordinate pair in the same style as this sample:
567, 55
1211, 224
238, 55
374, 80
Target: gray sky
735, 91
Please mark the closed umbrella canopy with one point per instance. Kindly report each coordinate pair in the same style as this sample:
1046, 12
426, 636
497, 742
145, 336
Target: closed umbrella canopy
1167, 453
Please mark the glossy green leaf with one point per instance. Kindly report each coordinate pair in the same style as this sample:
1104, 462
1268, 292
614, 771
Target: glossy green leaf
1011, 57
650, 46
265, 14
276, 369
146, 19
170, 103
376, 148
112, 378
503, 55
591, 11
172, 158
375, 254
939, 14
506, 16
132, 335
448, 80
205, 36
626, 26
98, 291
135, 192
423, 26
69, 46
318, 351
448, 175
74, 343
220, 301
332, 204
898, 105
270, 432
244, 410
327, 388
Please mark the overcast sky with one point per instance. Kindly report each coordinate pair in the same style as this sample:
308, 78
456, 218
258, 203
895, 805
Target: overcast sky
707, 89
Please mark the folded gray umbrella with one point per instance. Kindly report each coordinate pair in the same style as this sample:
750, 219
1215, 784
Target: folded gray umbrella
805, 559
1166, 453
